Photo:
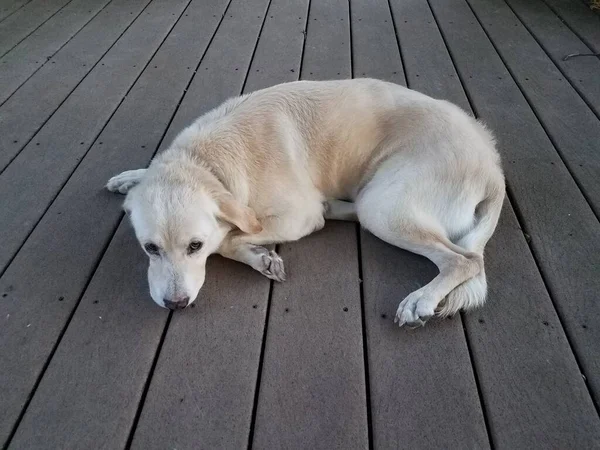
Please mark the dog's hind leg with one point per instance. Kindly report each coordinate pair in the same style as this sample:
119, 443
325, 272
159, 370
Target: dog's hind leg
259, 258
340, 210
392, 214
124, 181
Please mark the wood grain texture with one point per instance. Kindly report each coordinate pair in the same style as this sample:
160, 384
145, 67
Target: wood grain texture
96, 360
202, 390
32, 180
548, 203
576, 135
427, 64
578, 16
32, 53
533, 389
559, 41
47, 277
417, 377
33, 103
327, 46
89, 394
281, 40
423, 392
209, 404
10, 7
375, 52
312, 392
22, 23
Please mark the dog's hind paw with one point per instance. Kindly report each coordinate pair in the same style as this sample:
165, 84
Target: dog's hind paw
273, 266
415, 310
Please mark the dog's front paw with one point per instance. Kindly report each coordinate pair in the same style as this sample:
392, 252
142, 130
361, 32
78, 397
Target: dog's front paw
272, 266
125, 181
415, 310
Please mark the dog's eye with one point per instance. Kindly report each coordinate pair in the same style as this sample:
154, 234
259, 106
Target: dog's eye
151, 248
194, 247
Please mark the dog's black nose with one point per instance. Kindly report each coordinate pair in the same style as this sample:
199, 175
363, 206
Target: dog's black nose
176, 304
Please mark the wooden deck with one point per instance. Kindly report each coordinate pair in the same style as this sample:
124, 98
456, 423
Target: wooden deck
91, 88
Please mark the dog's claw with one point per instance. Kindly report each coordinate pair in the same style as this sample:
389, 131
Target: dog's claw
414, 311
274, 268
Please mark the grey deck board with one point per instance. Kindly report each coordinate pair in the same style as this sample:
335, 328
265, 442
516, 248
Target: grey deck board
22, 23
88, 397
60, 144
558, 41
327, 53
212, 400
521, 139
218, 389
534, 398
67, 68
375, 52
427, 64
312, 392
428, 374
575, 135
89, 361
579, 17
32, 53
509, 361
209, 403
10, 7
423, 393
281, 40
130, 138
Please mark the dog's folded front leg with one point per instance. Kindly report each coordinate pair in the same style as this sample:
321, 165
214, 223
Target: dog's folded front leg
259, 258
125, 180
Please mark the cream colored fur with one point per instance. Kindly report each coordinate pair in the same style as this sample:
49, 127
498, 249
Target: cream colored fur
270, 167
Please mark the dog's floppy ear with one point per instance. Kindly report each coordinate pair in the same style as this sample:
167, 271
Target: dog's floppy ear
239, 215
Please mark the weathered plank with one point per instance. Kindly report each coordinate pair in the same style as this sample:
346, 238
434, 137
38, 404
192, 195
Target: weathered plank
88, 396
375, 51
416, 377
312, 391
23, 60
579, 17
562, 229
427, 64
558, 41
35, 176
218, 387
10, 7
33, 103
209, 404
75, 231
327, 47
313, 358
281, 40
21, 24
532, 386
575, 135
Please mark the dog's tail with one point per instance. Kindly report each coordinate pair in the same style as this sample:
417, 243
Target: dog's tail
472, 293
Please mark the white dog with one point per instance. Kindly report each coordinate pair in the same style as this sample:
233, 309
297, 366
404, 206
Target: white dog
271, 166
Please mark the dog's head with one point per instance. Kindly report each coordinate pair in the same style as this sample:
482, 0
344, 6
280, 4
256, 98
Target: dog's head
180, 214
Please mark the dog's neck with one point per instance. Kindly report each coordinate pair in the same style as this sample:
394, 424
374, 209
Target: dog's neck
209, 171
